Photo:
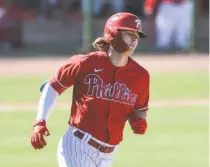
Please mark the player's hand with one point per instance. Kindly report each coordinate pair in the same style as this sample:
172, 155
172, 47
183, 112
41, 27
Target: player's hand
37, 137
139, 126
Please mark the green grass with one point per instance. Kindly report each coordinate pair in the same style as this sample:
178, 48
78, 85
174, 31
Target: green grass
163, 86
24, 89
176, 137
176, 85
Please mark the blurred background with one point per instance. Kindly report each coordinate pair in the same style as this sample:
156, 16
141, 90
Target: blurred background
69, 26
37, 36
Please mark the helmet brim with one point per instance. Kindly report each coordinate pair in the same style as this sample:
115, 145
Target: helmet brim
141, 34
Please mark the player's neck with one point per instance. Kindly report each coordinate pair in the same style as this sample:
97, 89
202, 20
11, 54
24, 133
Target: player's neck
117, 59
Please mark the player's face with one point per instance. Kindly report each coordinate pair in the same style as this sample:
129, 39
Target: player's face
131, 38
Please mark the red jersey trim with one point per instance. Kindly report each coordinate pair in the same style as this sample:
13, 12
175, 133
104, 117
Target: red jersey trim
59, 82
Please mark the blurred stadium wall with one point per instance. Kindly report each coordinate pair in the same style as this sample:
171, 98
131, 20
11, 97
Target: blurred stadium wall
57, 26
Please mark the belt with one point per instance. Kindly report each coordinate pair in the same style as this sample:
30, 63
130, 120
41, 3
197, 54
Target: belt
94, 143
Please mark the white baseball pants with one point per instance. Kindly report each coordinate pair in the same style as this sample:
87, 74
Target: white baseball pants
174, 24
73, 152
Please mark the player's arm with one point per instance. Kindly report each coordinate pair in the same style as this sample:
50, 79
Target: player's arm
63, 79
151, 7
137, 118
46, 103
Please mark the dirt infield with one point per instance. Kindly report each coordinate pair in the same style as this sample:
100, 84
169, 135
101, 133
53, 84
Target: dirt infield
65, 106
154, 63
35, 66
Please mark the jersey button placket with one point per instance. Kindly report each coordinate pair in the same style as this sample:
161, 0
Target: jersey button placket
109, 119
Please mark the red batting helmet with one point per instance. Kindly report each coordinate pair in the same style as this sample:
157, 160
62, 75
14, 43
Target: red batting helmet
122, 21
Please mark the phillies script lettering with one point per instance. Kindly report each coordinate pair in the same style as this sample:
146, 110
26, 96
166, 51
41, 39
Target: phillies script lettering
118, 92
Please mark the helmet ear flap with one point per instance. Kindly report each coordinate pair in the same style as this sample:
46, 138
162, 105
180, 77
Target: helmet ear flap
114, 38
110, 34
118, 43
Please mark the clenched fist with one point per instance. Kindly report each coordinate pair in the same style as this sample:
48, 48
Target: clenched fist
139, 126
37, 137
138, 122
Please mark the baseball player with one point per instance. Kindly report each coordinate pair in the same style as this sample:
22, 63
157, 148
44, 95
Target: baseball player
109, 89
173, 22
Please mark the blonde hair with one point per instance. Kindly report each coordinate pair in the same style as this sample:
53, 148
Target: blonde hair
101, 44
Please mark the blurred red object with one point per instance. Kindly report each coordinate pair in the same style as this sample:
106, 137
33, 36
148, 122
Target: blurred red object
19, 12
11, 19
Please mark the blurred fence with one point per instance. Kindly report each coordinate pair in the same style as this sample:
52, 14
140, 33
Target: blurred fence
58, 28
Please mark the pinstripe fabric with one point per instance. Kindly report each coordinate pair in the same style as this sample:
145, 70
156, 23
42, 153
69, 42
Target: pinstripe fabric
73, 152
